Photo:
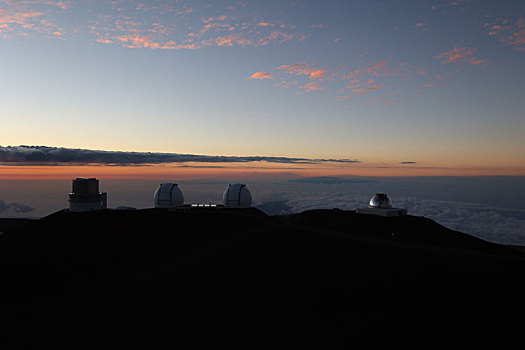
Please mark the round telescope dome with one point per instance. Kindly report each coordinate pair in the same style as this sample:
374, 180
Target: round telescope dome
380, 200
237, 195
168, 195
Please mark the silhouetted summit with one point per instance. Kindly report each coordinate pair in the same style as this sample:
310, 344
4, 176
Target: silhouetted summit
322, 278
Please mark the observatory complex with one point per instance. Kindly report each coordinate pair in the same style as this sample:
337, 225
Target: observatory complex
170, 196
86, 196
381, 205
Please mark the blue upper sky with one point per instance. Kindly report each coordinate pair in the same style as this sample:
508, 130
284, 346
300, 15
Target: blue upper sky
439, 83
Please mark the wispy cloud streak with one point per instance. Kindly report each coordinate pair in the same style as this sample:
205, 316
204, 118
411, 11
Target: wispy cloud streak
42, 155
460, 54
261, 75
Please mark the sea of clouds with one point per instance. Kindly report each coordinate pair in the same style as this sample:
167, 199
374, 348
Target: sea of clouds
489, 223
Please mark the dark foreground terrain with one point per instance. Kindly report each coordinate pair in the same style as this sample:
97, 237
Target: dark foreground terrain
220, 277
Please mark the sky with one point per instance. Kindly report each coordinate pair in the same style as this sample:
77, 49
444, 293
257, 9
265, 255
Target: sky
306, 88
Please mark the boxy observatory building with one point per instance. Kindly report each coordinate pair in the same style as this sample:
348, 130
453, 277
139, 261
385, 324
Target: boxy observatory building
85, 195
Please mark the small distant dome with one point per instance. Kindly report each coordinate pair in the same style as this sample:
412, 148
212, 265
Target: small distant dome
380, 200
168, 195
237, 195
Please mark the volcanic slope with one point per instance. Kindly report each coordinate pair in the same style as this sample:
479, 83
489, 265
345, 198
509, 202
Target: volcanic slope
322, 278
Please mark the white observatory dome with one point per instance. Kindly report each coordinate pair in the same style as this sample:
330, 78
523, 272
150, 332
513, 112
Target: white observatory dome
380, 200
237, 195
168, 195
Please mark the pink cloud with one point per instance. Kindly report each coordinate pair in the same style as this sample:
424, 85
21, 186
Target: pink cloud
353, 84
353, 74
20, 19
138, 41
317, 73
377, 67
311, 86
430, 84
104, 41
456, 54
516, 38
342, 98
474, 61
231, 40
460, 54
275, 37
265, 24
8, 18
170, 24
60, 4
261, 75
286, 84
303, 69
373, 88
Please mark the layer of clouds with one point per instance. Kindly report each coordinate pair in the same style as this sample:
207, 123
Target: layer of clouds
488, 223
14, 207
327, 180
43, 155
186, 25
508, 32
23, 18
163, 25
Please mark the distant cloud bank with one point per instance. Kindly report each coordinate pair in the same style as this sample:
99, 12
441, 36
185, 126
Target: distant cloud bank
492, 224
43, 155
328, 180
14, 207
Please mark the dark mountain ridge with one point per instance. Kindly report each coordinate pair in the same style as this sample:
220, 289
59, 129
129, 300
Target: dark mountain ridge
322, 278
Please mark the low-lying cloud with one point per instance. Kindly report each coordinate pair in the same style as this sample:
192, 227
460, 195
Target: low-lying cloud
14, 207
52, 156
488, 223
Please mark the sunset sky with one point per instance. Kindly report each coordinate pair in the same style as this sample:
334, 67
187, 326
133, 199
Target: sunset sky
389, 88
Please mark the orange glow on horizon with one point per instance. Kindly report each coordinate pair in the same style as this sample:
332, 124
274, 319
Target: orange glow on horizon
259, 170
